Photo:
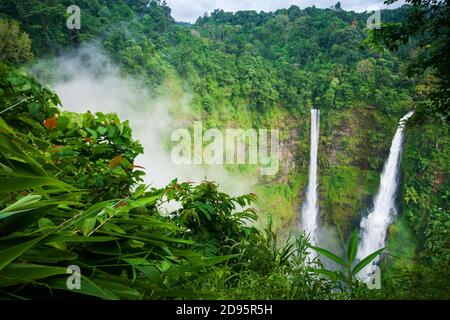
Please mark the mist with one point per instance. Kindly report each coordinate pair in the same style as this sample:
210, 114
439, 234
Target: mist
328, 237
89, 81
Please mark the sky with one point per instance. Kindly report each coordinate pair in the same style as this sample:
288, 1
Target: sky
190, 10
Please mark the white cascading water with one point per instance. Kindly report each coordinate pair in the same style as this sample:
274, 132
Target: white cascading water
374, 226
310, 209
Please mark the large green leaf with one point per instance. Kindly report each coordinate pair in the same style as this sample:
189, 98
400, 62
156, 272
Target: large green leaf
352, 247
91, 211
330, 255
122, 291
364, 262
22, 204
88, 287
10, 254
22, 182
20, 221
69, 238
89, 225
332, 275
146, 268
47, 254
16, 273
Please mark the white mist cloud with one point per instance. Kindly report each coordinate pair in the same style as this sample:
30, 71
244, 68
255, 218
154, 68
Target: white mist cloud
89, 81
190, 10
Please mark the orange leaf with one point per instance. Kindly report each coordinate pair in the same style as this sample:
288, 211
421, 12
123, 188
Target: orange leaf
115, 161
51, 123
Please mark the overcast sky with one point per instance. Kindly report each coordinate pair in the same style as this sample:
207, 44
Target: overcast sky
190, 10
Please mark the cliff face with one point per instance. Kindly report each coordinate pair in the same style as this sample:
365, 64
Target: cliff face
353, 147
354, 144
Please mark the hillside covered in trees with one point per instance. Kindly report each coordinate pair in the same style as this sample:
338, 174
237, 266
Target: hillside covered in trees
72, 193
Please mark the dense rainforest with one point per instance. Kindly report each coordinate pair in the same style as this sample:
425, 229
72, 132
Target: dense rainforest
72, 192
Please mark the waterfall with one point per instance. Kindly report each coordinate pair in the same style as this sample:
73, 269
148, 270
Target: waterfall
374, 226
310, 209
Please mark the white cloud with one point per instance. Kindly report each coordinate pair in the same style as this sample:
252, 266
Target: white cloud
190, 10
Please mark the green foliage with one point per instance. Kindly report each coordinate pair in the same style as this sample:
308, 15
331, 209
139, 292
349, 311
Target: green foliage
211, 215
426, 198
268, 270
292, 58
427, 23
350, 269
50, 219
15, 45
92, 152
425, 32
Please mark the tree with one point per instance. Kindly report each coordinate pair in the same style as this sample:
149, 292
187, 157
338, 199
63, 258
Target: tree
428, 23
15, 46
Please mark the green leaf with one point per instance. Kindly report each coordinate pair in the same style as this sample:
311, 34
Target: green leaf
32, 123
16, 273
92, 210
352, 247
34, 109
63, 123
112, 132
146, 268
89, 225
45, 254
20, 221
31, 204
364, 262
69, 238
122, 291
101, 130
135, 244
23, 204
88, 287
45, 224
330, 274
143, 202
12, 253
206, 209
112, 227
330, 255
21, 183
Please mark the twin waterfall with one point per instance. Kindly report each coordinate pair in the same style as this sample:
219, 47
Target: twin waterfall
373, 228
310, 210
